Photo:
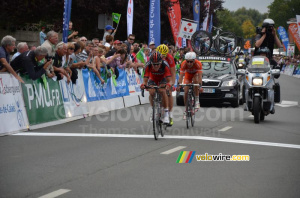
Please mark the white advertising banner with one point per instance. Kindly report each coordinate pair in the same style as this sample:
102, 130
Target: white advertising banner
74, 97
187, 29
129, 17
13, 115
134, 82
298, 23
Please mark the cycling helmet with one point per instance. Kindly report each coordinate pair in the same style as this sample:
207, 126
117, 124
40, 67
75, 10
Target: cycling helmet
190, 56
163, 49
263, 50
268, 22
155, 57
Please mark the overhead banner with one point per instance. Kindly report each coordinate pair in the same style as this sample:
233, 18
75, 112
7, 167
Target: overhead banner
196, 11
129, 17
43, 103
73, 96
187, 29
13, 115
134, 81
66, 19
205, 22
283, 36
154, 22
94, 90
293, 30
174, 15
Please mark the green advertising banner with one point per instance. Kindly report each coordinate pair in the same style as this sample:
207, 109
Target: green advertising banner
43, 103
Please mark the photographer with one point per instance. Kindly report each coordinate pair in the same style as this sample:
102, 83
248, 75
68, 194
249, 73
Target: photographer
266, 37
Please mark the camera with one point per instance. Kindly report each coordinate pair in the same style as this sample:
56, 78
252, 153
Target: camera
258, 30
48, 58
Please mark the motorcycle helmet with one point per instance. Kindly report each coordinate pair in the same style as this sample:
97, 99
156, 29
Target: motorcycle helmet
268, 22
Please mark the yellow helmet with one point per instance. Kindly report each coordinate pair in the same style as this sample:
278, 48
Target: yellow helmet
163, 49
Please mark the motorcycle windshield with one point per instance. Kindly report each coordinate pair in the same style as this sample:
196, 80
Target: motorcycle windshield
259, 64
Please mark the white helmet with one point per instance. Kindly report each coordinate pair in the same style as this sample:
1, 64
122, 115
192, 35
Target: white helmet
268, 22
190, 56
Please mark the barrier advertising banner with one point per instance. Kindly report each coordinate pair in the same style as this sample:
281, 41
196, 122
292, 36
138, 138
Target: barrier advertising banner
13, 115
74, 97
134, 82
43, 103
94, 90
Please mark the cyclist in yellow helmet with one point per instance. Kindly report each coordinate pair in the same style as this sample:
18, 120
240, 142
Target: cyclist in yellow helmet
164, 50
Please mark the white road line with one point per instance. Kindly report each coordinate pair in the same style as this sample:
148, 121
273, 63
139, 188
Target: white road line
166, 137
55, 193
225, 128
173, 150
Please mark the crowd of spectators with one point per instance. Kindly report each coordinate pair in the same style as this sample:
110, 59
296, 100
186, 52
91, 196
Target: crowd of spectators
57, 60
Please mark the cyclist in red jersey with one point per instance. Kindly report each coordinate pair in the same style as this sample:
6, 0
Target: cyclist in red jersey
164, 50
157, 72
191, 69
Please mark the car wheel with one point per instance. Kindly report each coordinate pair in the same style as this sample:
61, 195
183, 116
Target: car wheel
236, 102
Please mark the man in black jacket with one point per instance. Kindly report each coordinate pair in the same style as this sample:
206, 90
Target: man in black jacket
32, 63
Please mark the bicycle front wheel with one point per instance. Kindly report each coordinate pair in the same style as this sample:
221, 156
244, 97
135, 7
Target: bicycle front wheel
187, 111
225, 43
201, 42
155, 119
192, 107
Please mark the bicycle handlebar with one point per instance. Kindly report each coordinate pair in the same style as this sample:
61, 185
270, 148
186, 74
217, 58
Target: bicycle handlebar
185, 85
154, 87
217, 28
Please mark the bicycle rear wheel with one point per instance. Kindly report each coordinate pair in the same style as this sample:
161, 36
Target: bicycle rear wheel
225, 43
201, 42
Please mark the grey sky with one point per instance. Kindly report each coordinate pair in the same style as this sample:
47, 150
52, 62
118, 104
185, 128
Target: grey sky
260, 5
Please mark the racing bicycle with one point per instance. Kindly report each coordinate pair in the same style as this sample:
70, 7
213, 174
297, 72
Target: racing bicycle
224, 43
190, 104
156, 112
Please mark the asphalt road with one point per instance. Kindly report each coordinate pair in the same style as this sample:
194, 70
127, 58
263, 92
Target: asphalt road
115, 155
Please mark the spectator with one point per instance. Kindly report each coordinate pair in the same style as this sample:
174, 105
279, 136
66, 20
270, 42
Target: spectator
115, 48
43, 36
76, 62
129, 42
147, 54
61, 50
152, 46
136, 45
109, 41
8, 44
87, 56
71, 33
31, 63
49, 44
21, 47
119, 60
95, 41
32, 47
109, 30
67, 61
83, 39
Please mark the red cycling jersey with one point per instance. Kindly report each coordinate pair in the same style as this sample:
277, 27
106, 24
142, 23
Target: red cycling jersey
170, 60
157, 76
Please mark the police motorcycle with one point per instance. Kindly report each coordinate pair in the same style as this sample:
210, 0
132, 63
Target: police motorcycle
261, 92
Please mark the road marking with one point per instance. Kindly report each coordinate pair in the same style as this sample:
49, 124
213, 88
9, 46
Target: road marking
55, 193
225, 128
285, 103
173, 150
165, 137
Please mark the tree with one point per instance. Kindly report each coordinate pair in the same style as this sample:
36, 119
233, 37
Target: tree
228, 22
248, 29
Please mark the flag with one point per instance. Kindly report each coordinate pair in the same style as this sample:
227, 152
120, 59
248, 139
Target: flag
177, 55
116, 17
205, 22
174, 15
196, 10
66, 19
129, 17
154, 22
140, 55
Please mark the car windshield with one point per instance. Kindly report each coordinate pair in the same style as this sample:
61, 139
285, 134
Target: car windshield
259, 64
217, 67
